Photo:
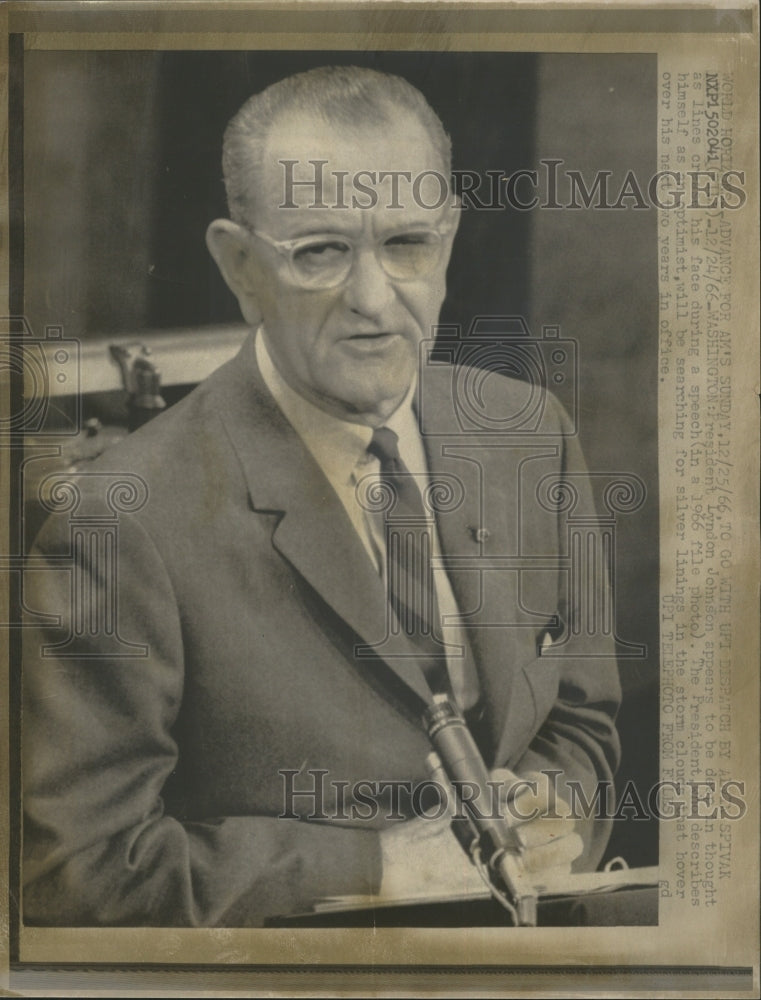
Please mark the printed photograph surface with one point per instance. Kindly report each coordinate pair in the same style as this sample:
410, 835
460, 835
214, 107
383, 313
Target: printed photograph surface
380, 552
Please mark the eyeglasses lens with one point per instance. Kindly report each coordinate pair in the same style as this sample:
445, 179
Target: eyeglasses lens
326, 263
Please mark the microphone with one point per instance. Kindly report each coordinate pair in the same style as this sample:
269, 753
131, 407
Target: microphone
464, 768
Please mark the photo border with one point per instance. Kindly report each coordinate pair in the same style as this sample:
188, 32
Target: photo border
110, 959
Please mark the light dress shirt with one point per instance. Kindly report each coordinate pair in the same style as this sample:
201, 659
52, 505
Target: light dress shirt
340, 449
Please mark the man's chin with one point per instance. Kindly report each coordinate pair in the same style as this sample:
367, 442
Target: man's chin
371, 404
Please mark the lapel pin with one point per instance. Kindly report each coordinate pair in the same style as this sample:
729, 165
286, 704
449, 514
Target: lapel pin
478, 534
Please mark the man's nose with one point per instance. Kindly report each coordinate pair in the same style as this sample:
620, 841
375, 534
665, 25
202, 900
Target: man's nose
368, 288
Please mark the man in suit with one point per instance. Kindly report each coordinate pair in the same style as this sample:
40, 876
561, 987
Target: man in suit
195, 744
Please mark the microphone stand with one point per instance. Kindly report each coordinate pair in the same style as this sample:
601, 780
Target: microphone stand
488, 839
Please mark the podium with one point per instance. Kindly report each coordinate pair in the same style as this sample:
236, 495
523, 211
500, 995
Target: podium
623, 898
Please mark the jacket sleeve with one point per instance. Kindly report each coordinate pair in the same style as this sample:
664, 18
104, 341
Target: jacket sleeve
578, 736
578, 739
98, 748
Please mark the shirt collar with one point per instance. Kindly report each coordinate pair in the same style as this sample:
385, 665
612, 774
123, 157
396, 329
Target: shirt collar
403, 423
337, 445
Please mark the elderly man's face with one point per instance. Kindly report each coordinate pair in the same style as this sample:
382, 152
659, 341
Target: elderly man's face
351, 349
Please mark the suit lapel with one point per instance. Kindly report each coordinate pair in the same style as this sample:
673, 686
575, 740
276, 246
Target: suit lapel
314, 534
318, 539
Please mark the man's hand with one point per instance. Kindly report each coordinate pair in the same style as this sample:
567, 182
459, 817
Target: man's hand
542, 821
422, 856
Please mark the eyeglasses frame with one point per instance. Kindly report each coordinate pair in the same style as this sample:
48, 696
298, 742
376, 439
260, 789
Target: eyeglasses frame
287, 248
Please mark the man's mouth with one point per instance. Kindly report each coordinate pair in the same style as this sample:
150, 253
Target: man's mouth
371, 336
376, 345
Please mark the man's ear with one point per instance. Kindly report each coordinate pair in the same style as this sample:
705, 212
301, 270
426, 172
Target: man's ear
230, 246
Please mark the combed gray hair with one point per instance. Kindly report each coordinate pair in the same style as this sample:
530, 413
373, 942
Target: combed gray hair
340, 95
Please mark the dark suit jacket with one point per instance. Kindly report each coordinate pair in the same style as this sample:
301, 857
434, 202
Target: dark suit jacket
151, 781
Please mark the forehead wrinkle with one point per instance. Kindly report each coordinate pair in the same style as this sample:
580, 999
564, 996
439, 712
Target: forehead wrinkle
326, 132
405, 148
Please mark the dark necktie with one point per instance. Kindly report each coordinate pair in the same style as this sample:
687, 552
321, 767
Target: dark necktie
411, 587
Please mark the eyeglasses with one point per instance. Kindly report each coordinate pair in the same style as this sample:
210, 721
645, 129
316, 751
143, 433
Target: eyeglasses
325, 261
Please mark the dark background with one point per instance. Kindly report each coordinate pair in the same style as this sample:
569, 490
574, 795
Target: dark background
122, 176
